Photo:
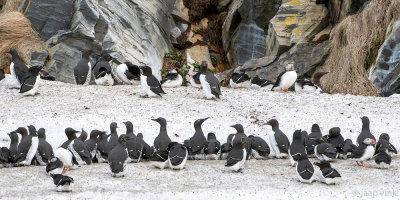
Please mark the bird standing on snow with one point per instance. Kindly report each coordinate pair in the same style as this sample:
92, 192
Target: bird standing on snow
160, 145
30, 81
78, 148
336, 139
240, 134
17, 68
314, 138
237, 156
45, 150
209, 83
102, 148
83, 70
297, 148
327, 174
118, 157
348, 148
63, 183
198, 141
212, 147
226, 147
239, 80
147, 151
128, 73
382, 158
102, 71
285, 79
363, 152
279, 141
91, 143
365, 131
325, 152
384, 137
305, 170
177, 155
150, 83
259, 147
173, 79
114, 139
27, 147
134, 146
13, 148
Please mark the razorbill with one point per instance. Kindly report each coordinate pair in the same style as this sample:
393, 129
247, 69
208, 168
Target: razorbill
46, 76
172, 79
134, 145
177, 155
363, 152
118, 157
160, 159
226, 147
286, 79
45, 150
327, 174
209, 83
384, 137
304, 138
325, 151
306, 86
382, 158
91, 143
128, 73
336, 139
27, 148
55, 166
212, 147
78, 148
297, 148
30, 81
150, 83
257, 83
314, 138
83, 70
305, 170
240, 134
13, 148
63, 183
147, 152
237, 156
365, 131
70, 137
348, 148
102, 71
83, 135
239, 80
198, 141
114, 139
279, 141
193, 77
102, 148
162, 141
259, 147
2, 75
17, 68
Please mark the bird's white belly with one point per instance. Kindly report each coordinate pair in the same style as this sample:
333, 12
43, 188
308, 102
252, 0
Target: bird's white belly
160, 165
32, 151
106, 80
89, 75
212, 157
12, 70
305, 89
239, 165
288, 79
368, 153
121, 69
206, 86
274, 145
40, 159
239, 85
193, 83
65, 156
173, 83
256, 155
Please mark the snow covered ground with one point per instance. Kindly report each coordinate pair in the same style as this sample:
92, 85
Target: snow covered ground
61, 105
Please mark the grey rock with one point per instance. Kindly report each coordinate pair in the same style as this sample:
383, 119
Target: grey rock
339, 9
38, 58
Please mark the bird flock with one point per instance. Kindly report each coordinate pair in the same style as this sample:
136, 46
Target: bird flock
119, 149
27, 79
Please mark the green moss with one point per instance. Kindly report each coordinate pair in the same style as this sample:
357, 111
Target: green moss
174, 56
212, 71
378, 41
214, 60
195, 30
196, 65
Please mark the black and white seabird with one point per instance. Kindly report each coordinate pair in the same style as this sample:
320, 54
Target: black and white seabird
306, 86
114, 139
160, 159
63, 155
118, 157
17, 68
348, 148
259, 147
91, 143
172, 79
237, 156
102, 71
78, 148
239, 80
63, 183
83, 135
297, 148
30, 81
286, 79
336, 139
13, 148
382, 158
147, 152
212, 147
383, 138
305, 170
210, 84
327, 174
55, 166
314, 138
102, 148
128, 73
27, 147
162, 141
46, 76
240, 134
134, 145
4, 157
2, 75
317, 80
45, 150
193, 77
198, 141
363, 152
150, 84
83, 70
257, 83
365, 131
279, 141
325, 151
177, 155
226, 147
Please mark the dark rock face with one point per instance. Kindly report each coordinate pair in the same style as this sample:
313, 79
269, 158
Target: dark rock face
387, 69
38, 58
339, 9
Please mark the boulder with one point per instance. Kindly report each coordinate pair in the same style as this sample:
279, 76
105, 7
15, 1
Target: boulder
339, 9
130, 30
296, 21
38, 58
386, 73
179, 12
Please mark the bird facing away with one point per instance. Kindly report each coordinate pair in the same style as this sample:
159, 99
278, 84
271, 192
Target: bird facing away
210, 84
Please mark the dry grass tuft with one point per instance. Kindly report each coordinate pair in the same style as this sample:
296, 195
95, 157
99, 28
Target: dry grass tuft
355, 41
12, 5
16, 33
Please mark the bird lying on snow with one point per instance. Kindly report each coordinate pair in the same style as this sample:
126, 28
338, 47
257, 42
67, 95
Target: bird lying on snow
172, 79
239, 80
63, 183
327, 174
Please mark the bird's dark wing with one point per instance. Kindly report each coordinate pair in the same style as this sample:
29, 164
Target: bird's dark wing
27, 83
383, 157
282, 141
196, 78
155, 85
214, 84
234, 157
2, 76
278, 80
170, 76
357, 153
330, 173
392, 148
20, 69
133, 70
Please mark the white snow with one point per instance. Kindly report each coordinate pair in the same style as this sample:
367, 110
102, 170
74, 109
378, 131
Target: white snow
61, 105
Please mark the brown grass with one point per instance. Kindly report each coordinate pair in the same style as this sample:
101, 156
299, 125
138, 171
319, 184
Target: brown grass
16, 33
354, 41
12, 5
